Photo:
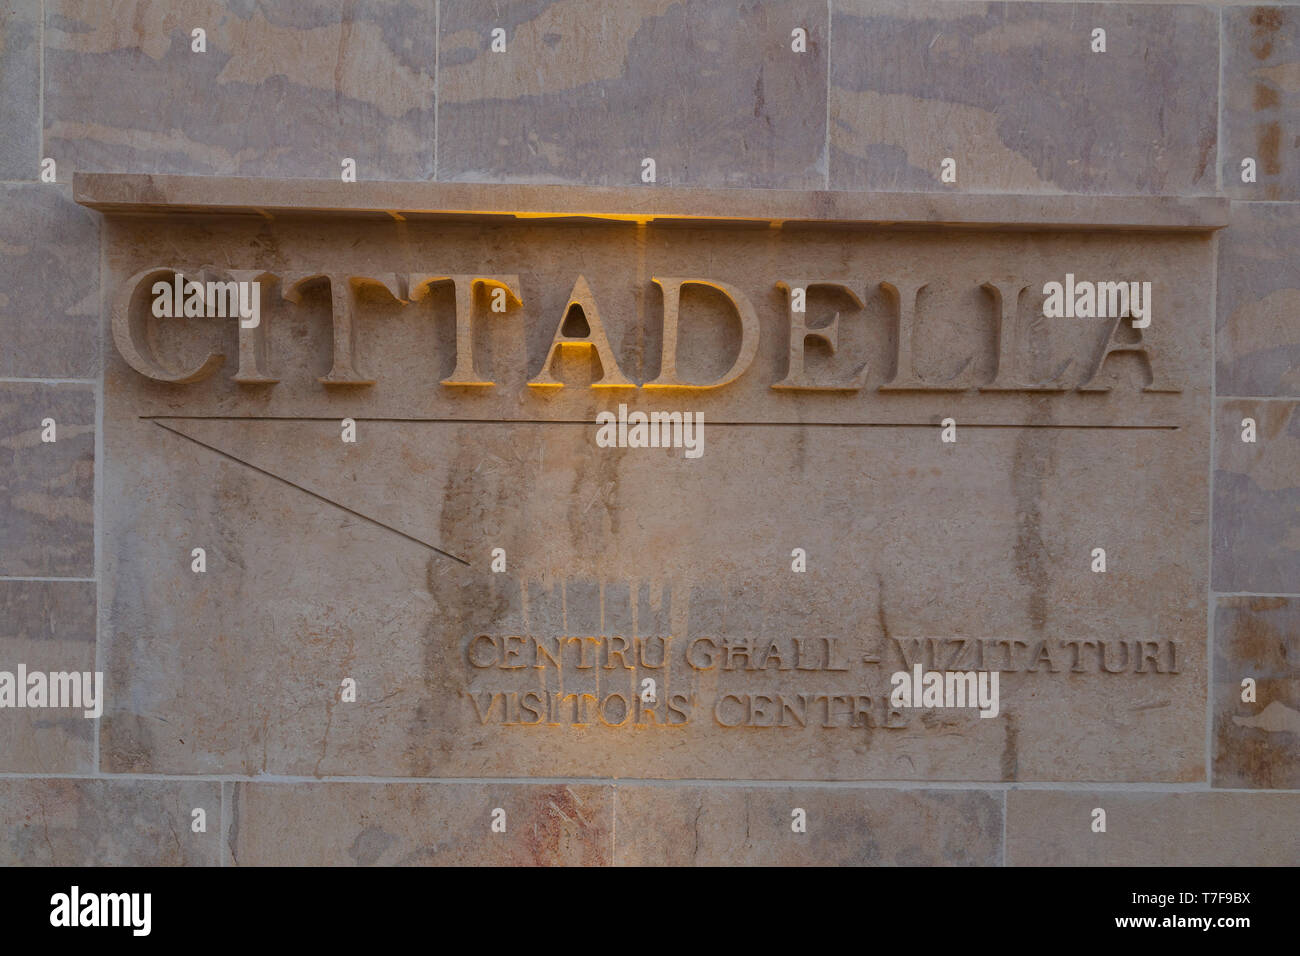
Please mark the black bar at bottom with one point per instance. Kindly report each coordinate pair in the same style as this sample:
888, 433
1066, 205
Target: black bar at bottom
899, 908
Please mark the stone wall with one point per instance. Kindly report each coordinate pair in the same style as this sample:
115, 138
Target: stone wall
884, 92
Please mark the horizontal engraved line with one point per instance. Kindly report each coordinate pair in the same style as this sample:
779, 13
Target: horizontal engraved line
584, 421
1263, 594
758, 783
1256, 398
7, 380
47, 579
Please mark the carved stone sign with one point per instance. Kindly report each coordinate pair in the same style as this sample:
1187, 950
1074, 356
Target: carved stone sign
572, 482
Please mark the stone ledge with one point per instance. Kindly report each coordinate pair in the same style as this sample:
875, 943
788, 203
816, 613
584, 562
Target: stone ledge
1145, 828
131, 193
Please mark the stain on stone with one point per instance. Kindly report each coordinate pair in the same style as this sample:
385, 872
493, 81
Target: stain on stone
467, 501
1266, 97
105, 823
694, 58
1266, 21
370, 844
1275, 718
953, 89
564, 832
1209, 139
128, 741
232, 830
1255, 741
881, 617
1268, 143
699, 811
1255, 639
1034, 461
1010, 751
1255, 514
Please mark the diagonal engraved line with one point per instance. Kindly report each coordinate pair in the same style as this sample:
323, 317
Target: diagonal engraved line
319, 497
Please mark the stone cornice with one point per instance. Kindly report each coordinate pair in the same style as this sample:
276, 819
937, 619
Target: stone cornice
131, 193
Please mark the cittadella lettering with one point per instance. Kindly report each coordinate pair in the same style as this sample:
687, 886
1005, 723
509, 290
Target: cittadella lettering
896, 373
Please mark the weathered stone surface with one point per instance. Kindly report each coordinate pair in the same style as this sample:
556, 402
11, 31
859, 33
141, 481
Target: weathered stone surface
712, 92
1257, 498
372, 562
1014, 94
444, 824
49, 284
47, 489
1257, 743
325, 559
752, 826
1258, 344
53, 822
20, 77
1054, 828
48, 626
1261, 101
281, 90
